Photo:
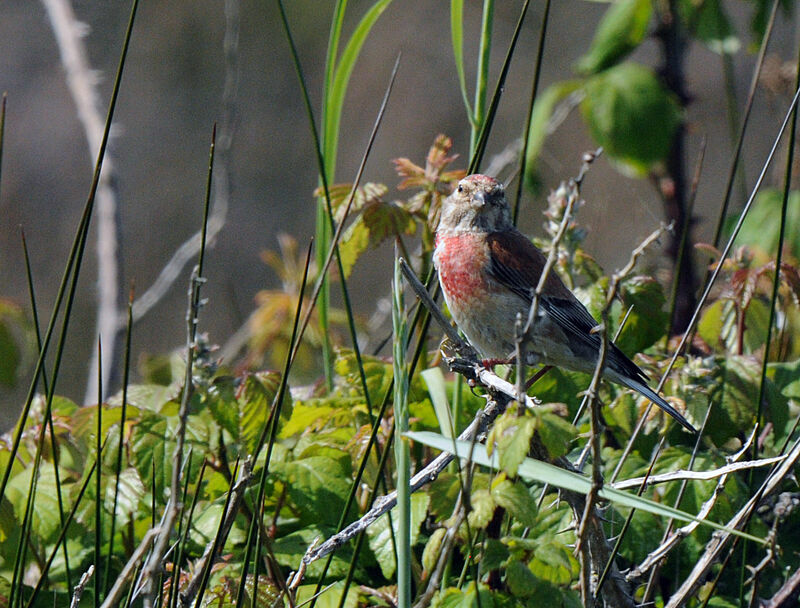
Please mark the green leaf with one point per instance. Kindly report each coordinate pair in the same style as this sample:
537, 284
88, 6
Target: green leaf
16, 338
453, 597
554, 562
329, 597
648, 319
255, 401
620, 31
483, 506
206, 524
515, 498
378, 374
632, 115
737, 393
380, 536
376, 223
712, 322
556, 434
519, 578
535, 470
430, 554
221, 401
511, 435
131, 491
543, 111
761, 228
46, 523
317, 486
493, 555
786, 377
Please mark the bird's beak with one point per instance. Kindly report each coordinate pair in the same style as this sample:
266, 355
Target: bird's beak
479, 198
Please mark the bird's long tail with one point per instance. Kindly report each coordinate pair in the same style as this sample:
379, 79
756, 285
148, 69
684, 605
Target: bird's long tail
642, 388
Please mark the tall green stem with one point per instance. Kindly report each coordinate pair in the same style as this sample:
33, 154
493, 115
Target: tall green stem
401, 451
483, 73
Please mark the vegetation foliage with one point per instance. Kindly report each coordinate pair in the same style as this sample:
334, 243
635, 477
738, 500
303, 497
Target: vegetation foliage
268, 468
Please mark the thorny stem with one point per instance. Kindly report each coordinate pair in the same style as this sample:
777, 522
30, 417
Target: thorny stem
523, 337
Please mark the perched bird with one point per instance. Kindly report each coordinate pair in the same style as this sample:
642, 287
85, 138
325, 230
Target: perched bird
489, 272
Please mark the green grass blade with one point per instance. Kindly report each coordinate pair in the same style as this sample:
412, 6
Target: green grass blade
402, 455
218, 540
523, 157
62, 535
341, 80
98, 500
486, 124
335, 35
457, 40
121, 445
76, 253
434, 380
2, 131
543, 472
49, 418
484, 55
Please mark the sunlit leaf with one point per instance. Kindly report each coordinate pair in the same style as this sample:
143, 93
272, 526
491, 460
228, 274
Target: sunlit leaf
377, 222
317, 486
515, 498
330, 597
430, 554
483, 506
511, 437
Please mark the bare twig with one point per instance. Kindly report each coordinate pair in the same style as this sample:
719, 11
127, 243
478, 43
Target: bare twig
154, 563
738, 521
674, 537
79, 588
113, 598
82, 81
695, 475
213, 548
227, 130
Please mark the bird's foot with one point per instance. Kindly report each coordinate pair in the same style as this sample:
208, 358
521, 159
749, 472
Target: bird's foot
490, 363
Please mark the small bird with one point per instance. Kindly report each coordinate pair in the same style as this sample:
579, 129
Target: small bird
489, 272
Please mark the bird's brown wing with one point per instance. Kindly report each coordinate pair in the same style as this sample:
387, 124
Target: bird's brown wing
518, 264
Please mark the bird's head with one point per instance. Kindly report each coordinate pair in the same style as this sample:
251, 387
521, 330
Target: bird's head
477, 203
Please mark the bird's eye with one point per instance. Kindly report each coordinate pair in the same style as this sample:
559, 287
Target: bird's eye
460, 188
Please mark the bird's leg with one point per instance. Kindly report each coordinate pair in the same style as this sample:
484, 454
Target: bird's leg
537, 375
490, 363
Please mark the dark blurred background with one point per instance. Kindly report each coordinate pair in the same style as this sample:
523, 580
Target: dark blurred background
172, 93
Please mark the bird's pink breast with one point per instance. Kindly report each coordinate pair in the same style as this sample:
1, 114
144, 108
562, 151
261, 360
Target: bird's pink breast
460, 260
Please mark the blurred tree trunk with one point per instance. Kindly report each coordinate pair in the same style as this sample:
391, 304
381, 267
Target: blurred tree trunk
673, 186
